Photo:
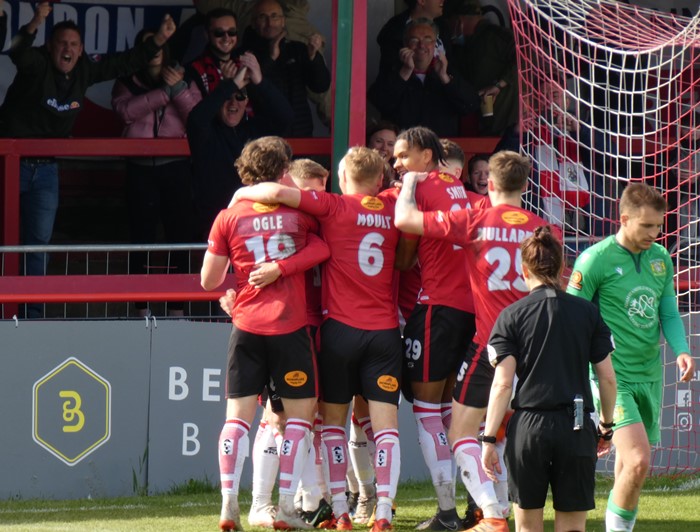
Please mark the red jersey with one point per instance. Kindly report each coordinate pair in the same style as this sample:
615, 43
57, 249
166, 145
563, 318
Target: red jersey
444, 277
249, 233
308, 263
477, 201
491, 238
358, 277
313, 296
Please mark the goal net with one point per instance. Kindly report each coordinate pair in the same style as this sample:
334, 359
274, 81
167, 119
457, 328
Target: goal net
610, 94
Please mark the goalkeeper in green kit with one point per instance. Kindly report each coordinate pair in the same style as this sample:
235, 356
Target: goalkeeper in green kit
630, 278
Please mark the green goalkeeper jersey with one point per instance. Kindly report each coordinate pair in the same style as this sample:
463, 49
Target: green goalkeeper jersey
628, 288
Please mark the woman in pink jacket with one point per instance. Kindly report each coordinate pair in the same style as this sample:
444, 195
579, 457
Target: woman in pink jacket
154, 103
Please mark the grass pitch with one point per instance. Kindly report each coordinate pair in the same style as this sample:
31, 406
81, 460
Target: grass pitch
668, 504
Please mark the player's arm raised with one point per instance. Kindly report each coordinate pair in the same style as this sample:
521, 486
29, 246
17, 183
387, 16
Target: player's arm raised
268, 193
407, 217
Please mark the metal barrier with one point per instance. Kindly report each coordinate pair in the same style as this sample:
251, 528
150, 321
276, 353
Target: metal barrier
93, 281
105, 292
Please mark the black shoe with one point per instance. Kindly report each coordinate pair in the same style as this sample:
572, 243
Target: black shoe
472, 516
442, 520
316, 518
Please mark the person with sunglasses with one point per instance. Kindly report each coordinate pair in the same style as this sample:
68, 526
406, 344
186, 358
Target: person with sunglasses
222, 38
218, 128
293, 66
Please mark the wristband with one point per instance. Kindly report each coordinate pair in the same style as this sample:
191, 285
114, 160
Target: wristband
486, 439
605, 436
606, 425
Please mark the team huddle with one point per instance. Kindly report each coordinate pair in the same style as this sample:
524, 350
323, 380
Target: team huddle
320, 343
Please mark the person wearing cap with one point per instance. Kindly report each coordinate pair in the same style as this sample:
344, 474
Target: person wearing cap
484, 55
218, 128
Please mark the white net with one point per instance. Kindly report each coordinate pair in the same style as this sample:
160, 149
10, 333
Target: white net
610, 93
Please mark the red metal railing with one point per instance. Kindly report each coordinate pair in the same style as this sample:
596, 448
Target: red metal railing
83, 288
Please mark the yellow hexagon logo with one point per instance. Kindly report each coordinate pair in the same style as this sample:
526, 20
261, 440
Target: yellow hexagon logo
71, 411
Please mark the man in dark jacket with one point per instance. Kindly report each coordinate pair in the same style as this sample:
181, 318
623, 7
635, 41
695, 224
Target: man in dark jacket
219, 127
291, 66
390, 37
44, 101
422, 92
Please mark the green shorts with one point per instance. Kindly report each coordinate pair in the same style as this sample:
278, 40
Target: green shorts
636, 403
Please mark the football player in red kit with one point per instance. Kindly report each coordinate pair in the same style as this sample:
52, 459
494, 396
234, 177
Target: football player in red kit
360, 340
491, 238
270, 340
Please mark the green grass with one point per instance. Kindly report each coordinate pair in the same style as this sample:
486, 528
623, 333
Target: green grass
669, 504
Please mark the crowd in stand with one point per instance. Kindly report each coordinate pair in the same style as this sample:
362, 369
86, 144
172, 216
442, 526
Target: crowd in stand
235, 71
456, 232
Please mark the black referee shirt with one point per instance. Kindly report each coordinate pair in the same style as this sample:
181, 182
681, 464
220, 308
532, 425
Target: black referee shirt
553, 337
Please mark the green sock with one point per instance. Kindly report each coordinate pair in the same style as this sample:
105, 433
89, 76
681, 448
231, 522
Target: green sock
628, 515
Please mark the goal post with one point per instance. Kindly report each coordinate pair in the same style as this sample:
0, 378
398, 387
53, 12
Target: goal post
610, 94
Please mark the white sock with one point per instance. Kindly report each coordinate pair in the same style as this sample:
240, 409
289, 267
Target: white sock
387, 465
616, 523
432, 438
310, 488
350, 477
265, 465
335, 443
446, 414
467, 454
294, 454
360, 458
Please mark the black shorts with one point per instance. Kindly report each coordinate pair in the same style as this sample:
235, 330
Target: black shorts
474, 378
542, 449
286, 363
359, 362
435, 341
275, 400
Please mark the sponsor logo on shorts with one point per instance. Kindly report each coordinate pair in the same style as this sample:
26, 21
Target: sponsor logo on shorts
372, 203
447, 178
388, 383
576, 280
515, 218
658, 267
296, 378
264, 207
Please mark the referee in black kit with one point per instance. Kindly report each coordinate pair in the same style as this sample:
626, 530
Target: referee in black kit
548, 340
